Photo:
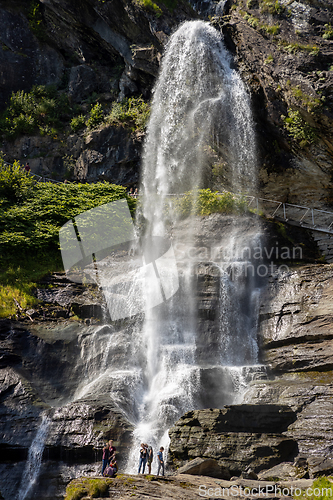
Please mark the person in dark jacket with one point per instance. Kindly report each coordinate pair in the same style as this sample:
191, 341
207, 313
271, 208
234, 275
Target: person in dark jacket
106, 457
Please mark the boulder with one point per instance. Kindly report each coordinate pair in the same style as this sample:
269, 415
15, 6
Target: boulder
319, 466
204, 467
283, 471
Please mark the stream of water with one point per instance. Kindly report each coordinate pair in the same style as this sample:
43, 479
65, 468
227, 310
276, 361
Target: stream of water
34, 462
164, 363
199, 103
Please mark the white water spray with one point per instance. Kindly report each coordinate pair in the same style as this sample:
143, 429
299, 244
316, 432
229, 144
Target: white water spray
34, 462
199, 102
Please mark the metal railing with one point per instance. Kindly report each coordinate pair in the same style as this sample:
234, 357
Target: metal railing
45, 179
310, 218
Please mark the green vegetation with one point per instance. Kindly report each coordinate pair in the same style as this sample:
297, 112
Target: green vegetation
131, 113
321, 489
252, 20
96, 116
46, 110
77, 123
293, 48
205, 202
271, 29
328, 33
83, 487
36, 20
311, 104
269, 59
271, 6
43, 109
299, 129
30, 218
150, 6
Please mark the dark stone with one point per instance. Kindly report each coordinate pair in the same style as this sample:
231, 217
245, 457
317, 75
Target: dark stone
82, 82
222, 435
204, 467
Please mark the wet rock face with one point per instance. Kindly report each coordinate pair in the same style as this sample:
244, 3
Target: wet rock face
295, 331
112, 154
40, 374
295, 320
23, 61
236, 437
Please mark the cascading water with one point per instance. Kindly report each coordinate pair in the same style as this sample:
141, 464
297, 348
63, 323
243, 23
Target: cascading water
199, 103
157, 365
34, 462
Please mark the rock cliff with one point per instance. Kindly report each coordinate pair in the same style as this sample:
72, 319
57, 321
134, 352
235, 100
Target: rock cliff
295, 336
112, 49
55, 364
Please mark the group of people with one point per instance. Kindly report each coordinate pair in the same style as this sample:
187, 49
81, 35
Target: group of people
134, 193
146, 457
109, 463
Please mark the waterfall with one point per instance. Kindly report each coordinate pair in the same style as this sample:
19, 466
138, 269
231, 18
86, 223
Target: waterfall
34, 462
199, 103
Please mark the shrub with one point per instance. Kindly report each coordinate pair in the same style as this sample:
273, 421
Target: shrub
271, 6
253, 21
30, 219
35, 221
132, 113
15, 184
42, 108
96, 116
150, 6
328, 33
36, 20
299, 129
77, 123
205, 202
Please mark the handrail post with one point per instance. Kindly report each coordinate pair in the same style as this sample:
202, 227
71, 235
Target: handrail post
284, 211
312, 217
257, 204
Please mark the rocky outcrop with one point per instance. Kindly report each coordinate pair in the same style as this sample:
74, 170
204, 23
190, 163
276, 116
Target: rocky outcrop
296, 317
39, 376
63, 367
283, 52
295, 330
286, 60
236, 437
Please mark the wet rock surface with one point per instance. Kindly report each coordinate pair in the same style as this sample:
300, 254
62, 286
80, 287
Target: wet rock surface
286, 60
49, 366
295, 332
236, 437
